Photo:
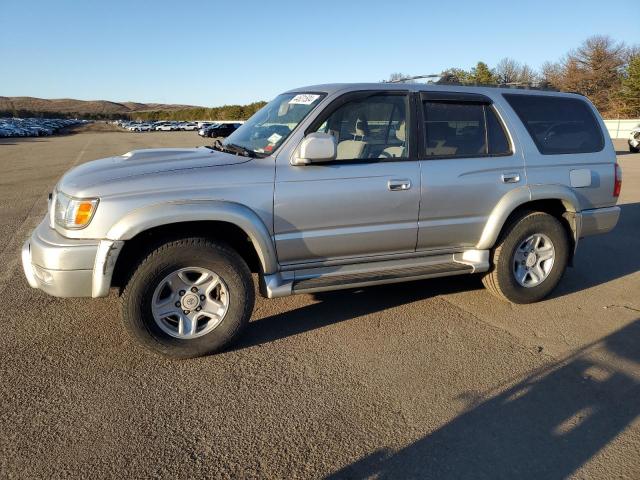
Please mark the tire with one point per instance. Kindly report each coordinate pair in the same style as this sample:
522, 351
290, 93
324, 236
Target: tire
518, 237
182, 257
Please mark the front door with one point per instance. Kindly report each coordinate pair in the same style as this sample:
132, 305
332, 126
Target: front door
364, 203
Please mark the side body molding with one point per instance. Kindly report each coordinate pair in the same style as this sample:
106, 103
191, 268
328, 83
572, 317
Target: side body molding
160, 214
519, 196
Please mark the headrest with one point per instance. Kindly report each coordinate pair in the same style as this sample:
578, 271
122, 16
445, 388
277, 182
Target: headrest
360, 126
401, 133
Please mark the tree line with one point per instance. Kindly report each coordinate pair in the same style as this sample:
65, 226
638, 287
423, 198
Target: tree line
602, 69
26, 113
226, 112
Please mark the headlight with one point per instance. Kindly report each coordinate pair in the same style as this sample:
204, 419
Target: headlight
73, 213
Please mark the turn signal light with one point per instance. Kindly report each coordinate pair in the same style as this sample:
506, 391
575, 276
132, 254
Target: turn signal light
73, 213
84, 211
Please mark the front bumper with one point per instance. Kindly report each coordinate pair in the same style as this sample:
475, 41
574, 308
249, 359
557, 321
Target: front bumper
65, 267
598, 220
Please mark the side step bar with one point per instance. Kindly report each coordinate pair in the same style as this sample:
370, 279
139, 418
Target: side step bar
338, 277
358, 278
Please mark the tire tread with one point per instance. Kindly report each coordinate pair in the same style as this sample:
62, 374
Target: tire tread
158, 251
492, 280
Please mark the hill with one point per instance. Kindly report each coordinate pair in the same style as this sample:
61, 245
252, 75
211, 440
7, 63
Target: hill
31, 106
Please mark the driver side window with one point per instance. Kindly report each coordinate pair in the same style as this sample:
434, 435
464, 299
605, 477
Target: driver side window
373, 127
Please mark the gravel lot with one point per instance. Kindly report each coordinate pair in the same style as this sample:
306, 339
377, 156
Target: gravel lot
432, 379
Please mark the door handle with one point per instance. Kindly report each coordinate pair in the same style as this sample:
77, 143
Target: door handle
398, 185
510, 178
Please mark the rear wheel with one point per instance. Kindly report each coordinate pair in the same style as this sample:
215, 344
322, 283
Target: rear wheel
188, 298
529, 259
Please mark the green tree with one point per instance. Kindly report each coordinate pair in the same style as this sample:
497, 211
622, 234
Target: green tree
630, 89
481, 74
455, 76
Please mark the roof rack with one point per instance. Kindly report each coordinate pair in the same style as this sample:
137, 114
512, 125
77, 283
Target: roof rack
441, 81
416, 77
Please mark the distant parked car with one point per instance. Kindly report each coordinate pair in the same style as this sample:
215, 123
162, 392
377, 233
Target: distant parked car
222, 130
204, 128
167, 127
33, 127
140, 127
189, 126
634, 140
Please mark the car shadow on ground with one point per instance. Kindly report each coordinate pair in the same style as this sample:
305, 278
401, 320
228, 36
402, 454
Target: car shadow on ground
546, 426
338, 306
603, 258
620, 153
15, 140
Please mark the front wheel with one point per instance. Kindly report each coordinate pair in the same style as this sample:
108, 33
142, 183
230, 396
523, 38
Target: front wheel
529, 259
188, 298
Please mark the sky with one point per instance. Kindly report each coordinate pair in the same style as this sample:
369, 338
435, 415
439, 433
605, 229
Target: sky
213, 53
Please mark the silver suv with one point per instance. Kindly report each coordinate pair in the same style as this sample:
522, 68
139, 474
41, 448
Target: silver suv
331, 187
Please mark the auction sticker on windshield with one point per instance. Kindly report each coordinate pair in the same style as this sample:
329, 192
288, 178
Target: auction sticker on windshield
304, 99
274, 138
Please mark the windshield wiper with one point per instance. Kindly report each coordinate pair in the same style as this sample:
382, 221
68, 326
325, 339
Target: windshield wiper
233, 148
238, 150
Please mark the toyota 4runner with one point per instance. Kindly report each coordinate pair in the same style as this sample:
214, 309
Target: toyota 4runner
331, 187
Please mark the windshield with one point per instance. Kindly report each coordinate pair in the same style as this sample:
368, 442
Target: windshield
265, 131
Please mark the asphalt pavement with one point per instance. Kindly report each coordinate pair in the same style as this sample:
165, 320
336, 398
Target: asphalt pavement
429, 379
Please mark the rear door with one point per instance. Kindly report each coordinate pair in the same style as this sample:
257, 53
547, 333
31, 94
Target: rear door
366, 201
567, 145
468, 163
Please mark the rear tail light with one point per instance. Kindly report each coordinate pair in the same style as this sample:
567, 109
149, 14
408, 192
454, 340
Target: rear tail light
617, 185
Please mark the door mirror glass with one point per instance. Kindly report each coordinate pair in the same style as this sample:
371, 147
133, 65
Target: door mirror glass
316, 147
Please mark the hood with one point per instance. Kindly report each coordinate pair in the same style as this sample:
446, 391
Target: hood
143, 162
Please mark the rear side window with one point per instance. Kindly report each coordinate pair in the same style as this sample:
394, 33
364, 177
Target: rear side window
558, 125
463, 129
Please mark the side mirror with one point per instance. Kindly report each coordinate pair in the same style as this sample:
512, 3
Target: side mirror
316, 147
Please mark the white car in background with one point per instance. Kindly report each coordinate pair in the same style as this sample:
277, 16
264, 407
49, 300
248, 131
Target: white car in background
158, 125
166, 127
189, 126
140, 127
634, 140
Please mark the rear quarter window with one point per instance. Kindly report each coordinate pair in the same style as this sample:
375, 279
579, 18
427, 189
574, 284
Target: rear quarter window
558, 125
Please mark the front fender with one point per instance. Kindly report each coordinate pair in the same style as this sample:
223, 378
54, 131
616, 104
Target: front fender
518, 197
151, 216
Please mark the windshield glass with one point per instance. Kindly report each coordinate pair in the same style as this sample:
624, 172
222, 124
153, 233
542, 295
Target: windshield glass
265, 131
